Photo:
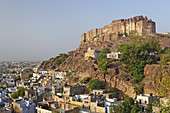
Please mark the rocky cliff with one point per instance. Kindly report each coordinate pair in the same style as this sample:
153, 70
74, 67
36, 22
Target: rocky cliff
153, 73
117, 76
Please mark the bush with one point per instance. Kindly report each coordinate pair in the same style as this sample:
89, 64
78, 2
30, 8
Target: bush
112, 90
19, 92
85, 80
61, 59
95, 84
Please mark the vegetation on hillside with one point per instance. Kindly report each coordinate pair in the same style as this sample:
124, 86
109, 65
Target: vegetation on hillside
165, 58
72, 76
137, 54
102, 60
85, 80
112, 90
61, 58
95, 84
19, 92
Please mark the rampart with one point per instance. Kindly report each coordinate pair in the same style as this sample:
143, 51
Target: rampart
139, 25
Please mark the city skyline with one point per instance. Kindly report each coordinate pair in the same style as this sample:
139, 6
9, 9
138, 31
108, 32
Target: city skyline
36, 31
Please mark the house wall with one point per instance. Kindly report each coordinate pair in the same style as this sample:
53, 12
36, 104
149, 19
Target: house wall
97, 109
89, 53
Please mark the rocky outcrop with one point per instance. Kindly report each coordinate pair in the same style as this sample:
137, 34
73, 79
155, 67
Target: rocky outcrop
153, 73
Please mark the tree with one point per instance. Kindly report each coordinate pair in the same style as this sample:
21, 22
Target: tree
135, 108
137, 54
125, 107
149, 108
95, 84
116, 108
165, 58
113, 90
19, 92
128, 104
102, 60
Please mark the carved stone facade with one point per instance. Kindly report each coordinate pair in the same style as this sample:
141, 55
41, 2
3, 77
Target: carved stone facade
139, 25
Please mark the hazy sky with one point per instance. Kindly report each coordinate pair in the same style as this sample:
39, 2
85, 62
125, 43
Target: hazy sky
40, 29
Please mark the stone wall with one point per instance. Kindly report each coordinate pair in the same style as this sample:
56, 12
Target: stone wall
139, 25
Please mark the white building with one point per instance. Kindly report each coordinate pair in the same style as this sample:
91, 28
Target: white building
9, 81
79, 97
115, 55
144, 99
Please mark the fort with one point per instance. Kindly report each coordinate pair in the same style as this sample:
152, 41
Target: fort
123, 27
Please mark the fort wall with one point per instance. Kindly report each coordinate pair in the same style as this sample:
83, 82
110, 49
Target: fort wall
139, 25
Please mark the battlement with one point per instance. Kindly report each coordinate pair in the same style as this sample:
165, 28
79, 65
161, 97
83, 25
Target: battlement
138, 24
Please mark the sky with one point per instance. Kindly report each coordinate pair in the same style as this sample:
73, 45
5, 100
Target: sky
36, 30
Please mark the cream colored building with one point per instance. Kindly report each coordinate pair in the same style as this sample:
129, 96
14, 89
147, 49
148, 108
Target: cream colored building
91, 53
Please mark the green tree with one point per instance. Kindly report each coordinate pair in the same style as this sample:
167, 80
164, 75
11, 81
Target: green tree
19, 92
95, 84
137, 54
125, 107
116, 108
149, 108
102, 60
135, 108
113, 90
165, 58
128, 105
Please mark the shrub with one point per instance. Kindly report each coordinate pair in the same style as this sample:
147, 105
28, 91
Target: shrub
85, 80
102, 60
61, 59
95, 84
112, 90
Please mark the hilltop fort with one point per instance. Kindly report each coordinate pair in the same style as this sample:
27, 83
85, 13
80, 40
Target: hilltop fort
123, 27
111, 36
